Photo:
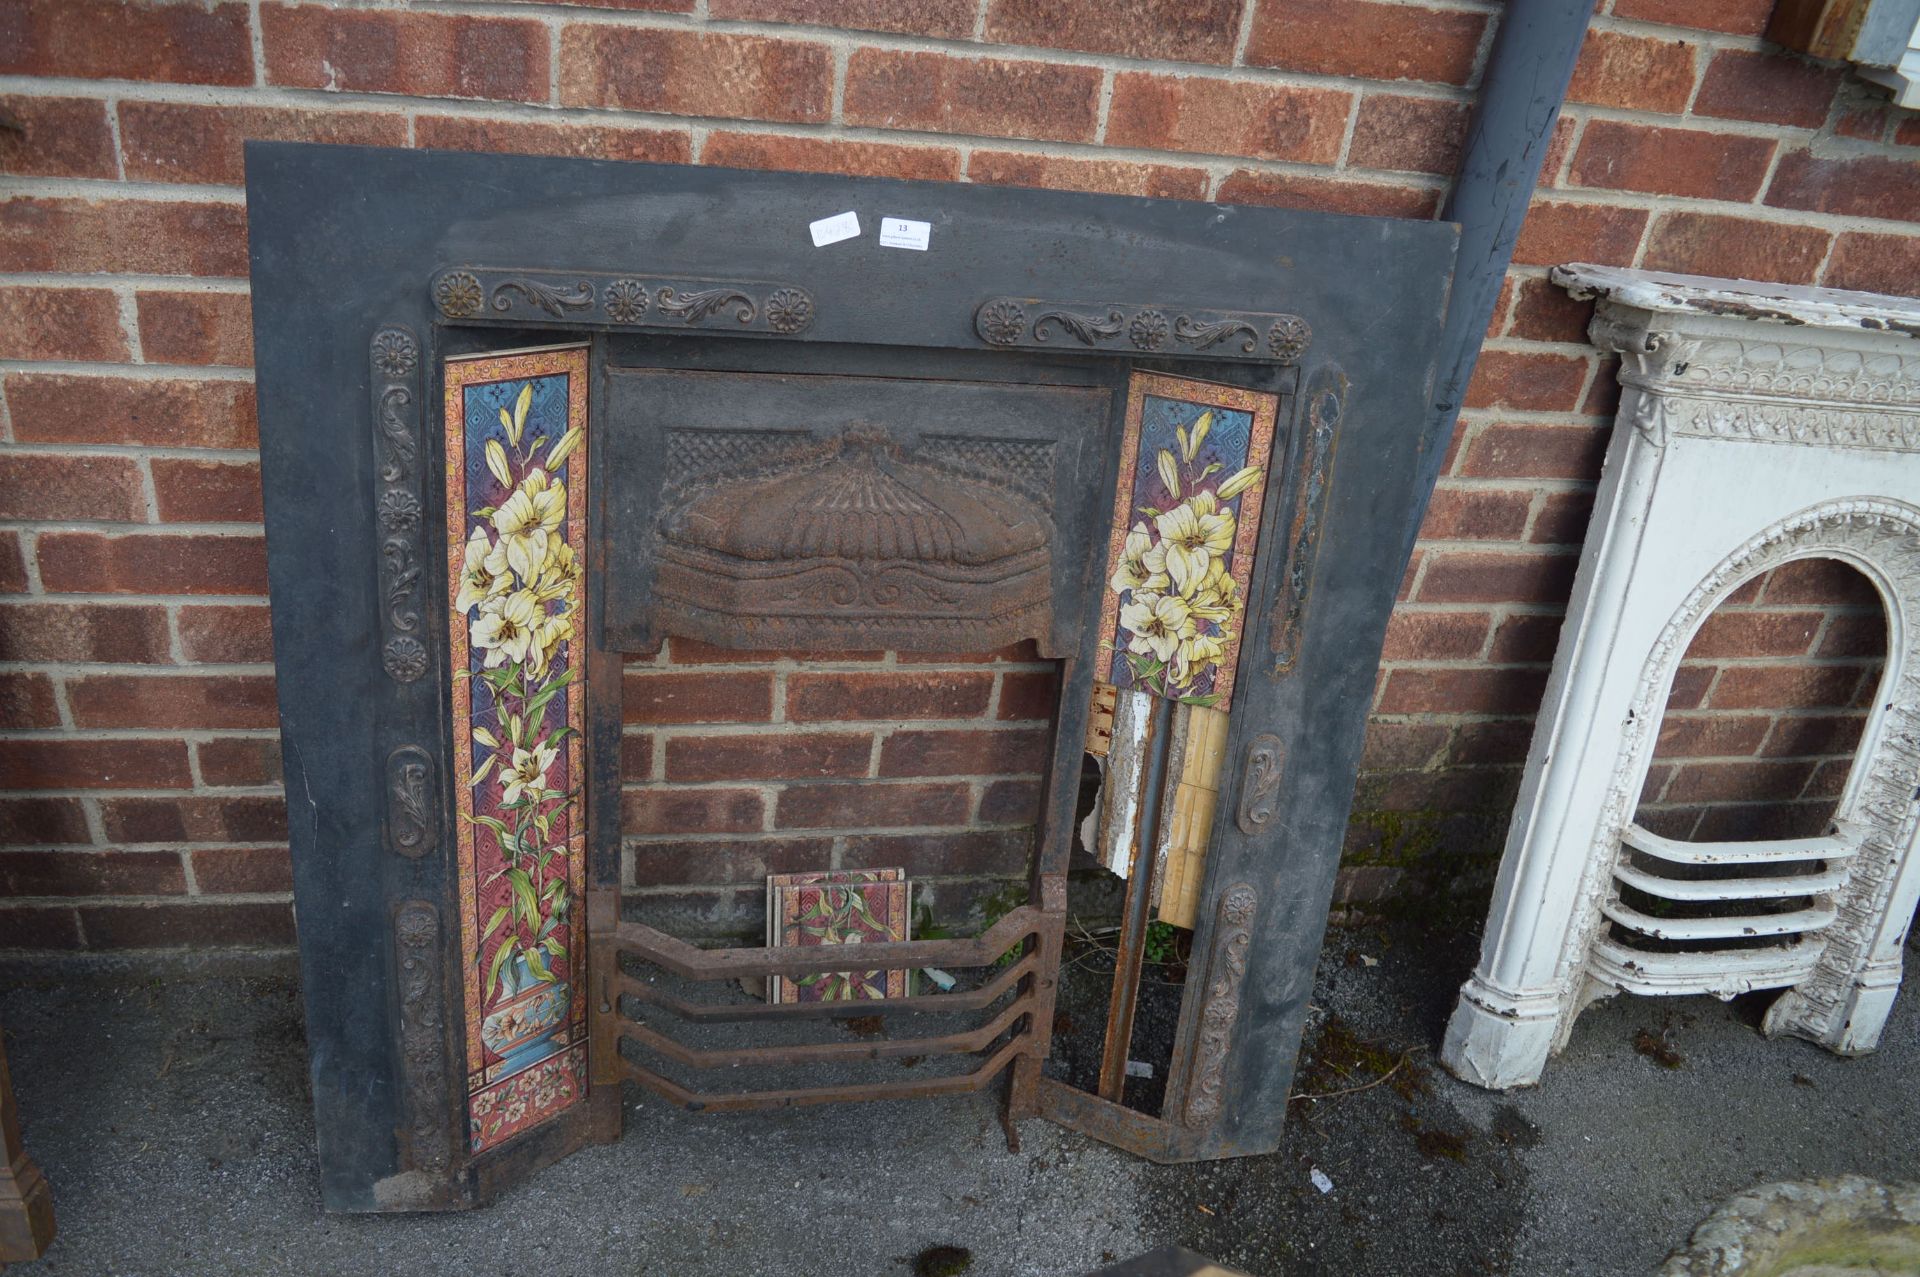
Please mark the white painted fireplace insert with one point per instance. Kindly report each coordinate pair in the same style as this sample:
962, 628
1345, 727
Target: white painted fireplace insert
1758, 424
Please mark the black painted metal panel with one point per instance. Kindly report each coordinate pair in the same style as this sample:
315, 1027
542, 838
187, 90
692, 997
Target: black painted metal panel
348, 243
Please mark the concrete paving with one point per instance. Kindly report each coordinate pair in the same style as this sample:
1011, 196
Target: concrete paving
168, 1106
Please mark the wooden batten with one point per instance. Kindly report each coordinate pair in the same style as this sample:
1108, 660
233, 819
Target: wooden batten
1200, 748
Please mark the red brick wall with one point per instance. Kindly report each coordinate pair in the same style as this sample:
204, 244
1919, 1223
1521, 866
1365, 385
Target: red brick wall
139, 785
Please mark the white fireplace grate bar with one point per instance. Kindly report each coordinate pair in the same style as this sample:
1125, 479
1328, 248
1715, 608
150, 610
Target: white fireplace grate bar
1738, 927
1832, 847
1724, 973
1817, 882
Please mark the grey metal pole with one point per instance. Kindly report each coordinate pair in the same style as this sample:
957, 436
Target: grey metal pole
1534, 51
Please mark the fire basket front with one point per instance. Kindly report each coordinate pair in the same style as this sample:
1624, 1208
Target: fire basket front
617, 413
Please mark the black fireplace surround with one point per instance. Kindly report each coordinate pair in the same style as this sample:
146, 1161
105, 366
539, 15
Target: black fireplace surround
372, 268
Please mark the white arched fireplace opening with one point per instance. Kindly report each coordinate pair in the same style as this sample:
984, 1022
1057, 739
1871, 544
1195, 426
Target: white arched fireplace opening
1758, 425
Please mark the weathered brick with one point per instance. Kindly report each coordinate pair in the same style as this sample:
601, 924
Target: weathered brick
1061, 172
43, 822
993, 97
1370, 41
1401, 745
91, 873
539, 137
1435, 636
1471, 577
190, 702
1542, 311
26, 701
60, 323
188, 142
1855, 636
1412, 135
238, 819
768, 757
1496, 743
1638, 73
950, 19
164, 413
1820, 581
695, 73
1811, 735
690, 811
213, 925
1750, 781
636, 755
830, 155
1741, 17
13, 564
423, 54
1869, 124
66, 486
195, 328
1526, 638
675, 862
126, 40
1858, 186
1741, 822
57, 137
1785, 686
1563, 519
871, 805
1472, 690
975, 851
123, 236
235, 871
1507, 450
226, 634
1666, 161
199, 563
1367, 199
1170, 30
1227, 117
1477, 514
1028, 695
239, 760
1711, 735
1533, 382
1010, 802
93, 764
1556, 232
38, 927
658, 6
963, 753
1875, 263
687, 651
888, 697
1691, 682
1741, 85
705, 697
206, 491
1754, 634
1735, 247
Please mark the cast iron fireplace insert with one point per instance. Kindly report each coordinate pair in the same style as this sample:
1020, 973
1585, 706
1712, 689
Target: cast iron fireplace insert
522, 417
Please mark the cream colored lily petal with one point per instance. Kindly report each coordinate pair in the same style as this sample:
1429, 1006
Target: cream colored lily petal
1199, 435
497, 462
1239, 481
1169, 472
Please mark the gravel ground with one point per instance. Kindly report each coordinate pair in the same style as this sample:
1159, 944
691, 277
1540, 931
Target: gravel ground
168, 1106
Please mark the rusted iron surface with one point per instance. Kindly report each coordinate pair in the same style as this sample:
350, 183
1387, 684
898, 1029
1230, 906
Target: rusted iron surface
913, 1089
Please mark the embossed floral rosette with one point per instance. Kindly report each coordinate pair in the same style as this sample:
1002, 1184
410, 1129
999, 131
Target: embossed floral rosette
516, 479
1187, 513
